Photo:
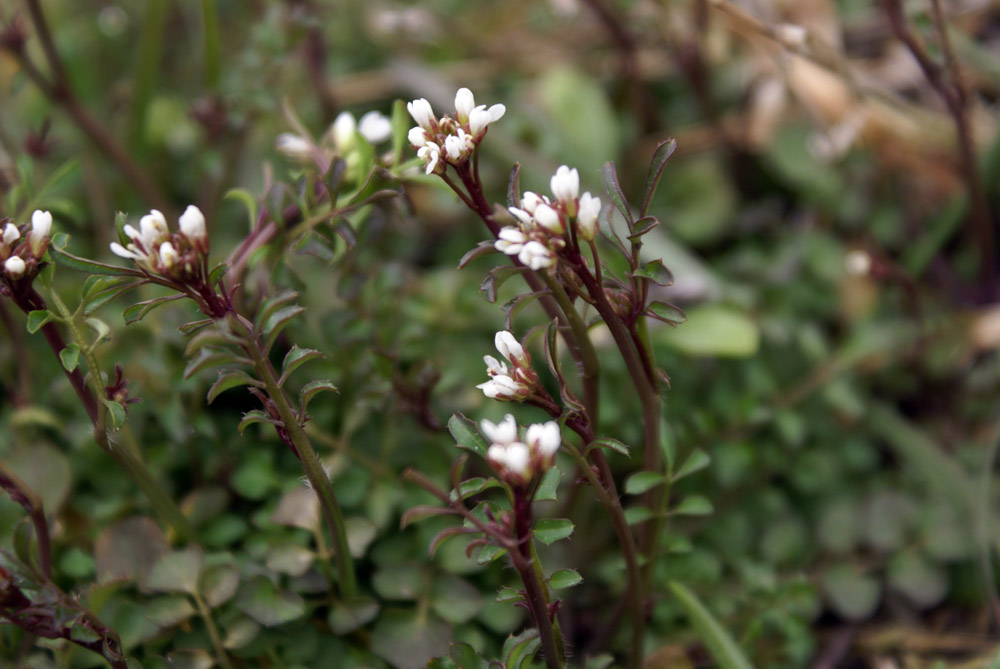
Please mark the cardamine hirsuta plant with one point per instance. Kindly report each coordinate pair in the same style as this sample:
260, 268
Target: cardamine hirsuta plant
582, 264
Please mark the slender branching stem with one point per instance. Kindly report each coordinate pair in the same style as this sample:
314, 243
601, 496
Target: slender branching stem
213, 632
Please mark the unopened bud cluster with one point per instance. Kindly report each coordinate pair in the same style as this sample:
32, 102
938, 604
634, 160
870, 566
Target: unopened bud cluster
450, 140
518, 460
509, 384
545, 225
22, 248
181, 256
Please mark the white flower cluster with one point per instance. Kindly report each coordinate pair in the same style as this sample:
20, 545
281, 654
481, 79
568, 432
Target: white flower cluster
22, 253
339, 140
519, 460
514, 384
453, 139
543, 223
154, 249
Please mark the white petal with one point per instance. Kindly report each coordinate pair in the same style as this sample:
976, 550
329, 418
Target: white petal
11, 234
293, 146
494, 367
417, 136
153, 227
586, 217
503, 432
454, 147
422, 113
479, 118
41, 223
545, 438
516, 458
375, 127
168, 254
496, 112
14, 267
343, 131
123, 252
192, 223
529, 201
548, 218
536, 255
512, 235
465, 102
565, 184
508, 346
522, 216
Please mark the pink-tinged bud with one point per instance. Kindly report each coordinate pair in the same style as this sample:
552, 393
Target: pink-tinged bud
11, 234
510, 348
586, 217
14, 267
417, 137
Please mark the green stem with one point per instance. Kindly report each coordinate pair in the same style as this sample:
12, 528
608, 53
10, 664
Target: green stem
163, 504
528, 567
210, 43
317, 476
213, 632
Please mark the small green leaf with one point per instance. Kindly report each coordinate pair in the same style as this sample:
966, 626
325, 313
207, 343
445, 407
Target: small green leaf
565, 578
231, 378
481, 249
465, 656
607, 442
69, 357
71, 261
496, 278
474, 486
852, 593
277, 321
217, 273
295, 358
38, 318
695, 505
138, 311
219, 583
177, 571
240, 633
208, 359
695, 462
489, 553
642, 227
551, 530
548, 486
505, 594
656, 272
169, 611
664, 150
194, 326
638, 514
400, 122
97, 300
271, 305
313, 388
116, 412
262, 601
466, 435
251, 417
347, 615
248, 201
640, 482
667, 313
723, 649
100, 328
610, 176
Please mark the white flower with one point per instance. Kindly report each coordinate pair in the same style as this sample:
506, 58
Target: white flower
465, 104
511, 241
544, 438
503, 432
293, 146
14, 267
454, 147
430, 153
153, 229
123, 252
504, 388
586, 217
342, 131
510, 348
417, 136
494, 367
375, 127
168, 255
41, 225
192, 223
512, 458
480, 117
11, 234
548, 218
565, 185
536, 255
530, 201
422, 113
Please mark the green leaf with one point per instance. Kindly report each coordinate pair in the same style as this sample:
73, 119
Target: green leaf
474, 486
715, 330
401, 122
667, 313
496, 278
277, 321
98, 300
642, 227
311, 389
481, 249
505, 594
208, 359
295, 358
656, 272
100, 328
664, 150
520, 649
194, 326
37, 318
610, 176
177, 571
490, 553
240, 633
695, 462
262, 601
717, 640
408, 639
465, 656
695, 505
73, 262
69, 357
852, 593
607, 442
251, 417
248, 200
551, 530
564, 578
138, 311
217, 273
466, 435
454, 599
273, 304
169, 611
638, 514
219, 583
347, 615
918, 579
231, 378
116, 412
640, 482
548, 486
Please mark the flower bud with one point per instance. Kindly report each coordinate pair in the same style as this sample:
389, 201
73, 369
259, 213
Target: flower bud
11, 234
544, 439
465, 103
536, 256
548, 218
586, 217
168, 255
565, 185
41, 226
510, 348
375, 127
503, 432
14, 267
294, 147
422, 113
192, 223
343, 130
